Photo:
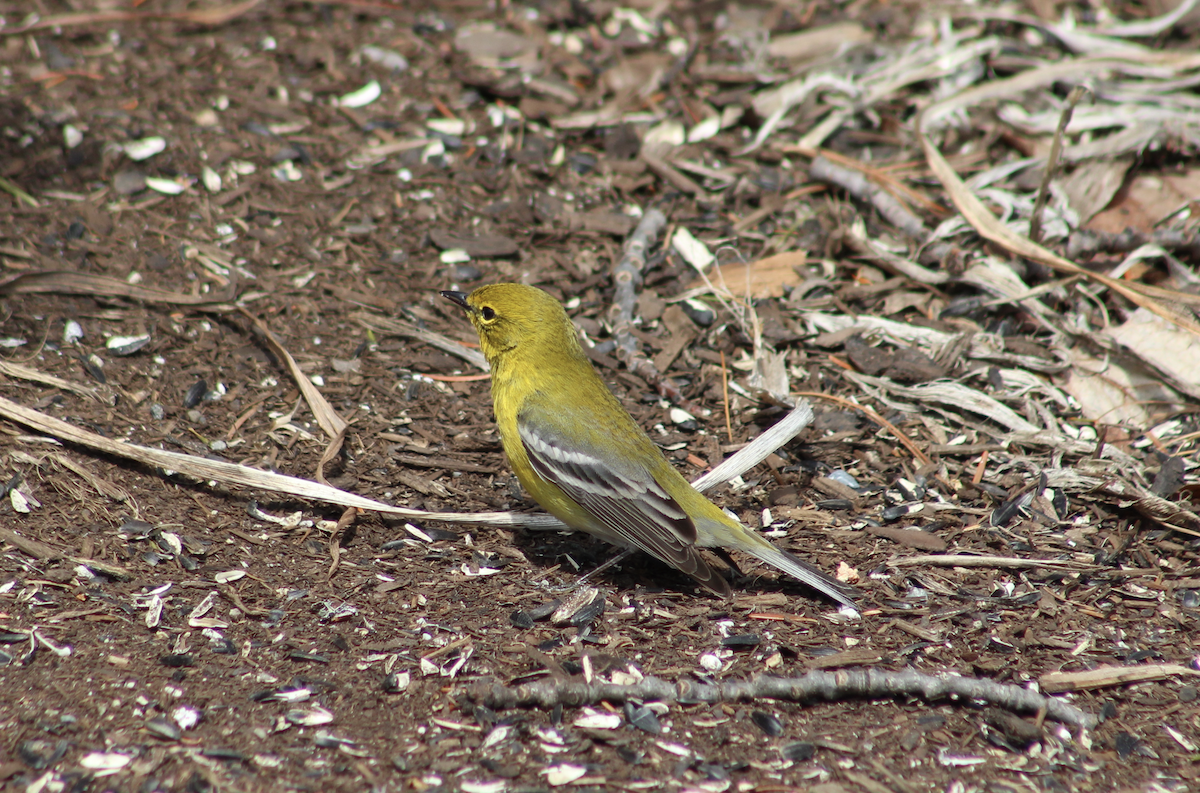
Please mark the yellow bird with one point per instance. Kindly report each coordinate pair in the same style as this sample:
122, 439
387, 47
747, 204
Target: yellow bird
583, 457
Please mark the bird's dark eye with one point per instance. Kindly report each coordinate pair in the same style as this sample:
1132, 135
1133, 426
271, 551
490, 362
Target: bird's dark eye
487, 313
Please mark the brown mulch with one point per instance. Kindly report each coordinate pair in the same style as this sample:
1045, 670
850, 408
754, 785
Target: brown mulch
164, 632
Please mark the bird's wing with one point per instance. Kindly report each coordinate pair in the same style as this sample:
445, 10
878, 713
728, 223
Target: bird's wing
625, 499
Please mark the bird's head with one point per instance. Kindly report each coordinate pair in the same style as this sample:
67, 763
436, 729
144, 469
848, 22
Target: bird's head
512, 316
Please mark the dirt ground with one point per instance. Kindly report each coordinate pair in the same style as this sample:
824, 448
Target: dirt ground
245, 641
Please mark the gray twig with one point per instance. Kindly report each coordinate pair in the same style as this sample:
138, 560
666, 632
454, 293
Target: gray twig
814, 686
858, 185
627, 277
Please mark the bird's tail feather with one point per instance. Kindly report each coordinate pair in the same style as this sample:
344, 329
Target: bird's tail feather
804, 572
807, 574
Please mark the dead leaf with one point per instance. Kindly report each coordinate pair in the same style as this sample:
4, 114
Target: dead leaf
1092, 185
767, 277
641, 73
817, 42
1111, 392
1147, 201
489, 46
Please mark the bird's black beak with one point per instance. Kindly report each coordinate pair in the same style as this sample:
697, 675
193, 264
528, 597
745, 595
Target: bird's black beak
456, 297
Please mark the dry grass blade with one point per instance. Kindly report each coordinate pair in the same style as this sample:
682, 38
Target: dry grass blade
26, 373
329, 420
757, 450
43, 551
210, 16
17, 193
66, 282
399, 327
231, 473
99, 484
954, 395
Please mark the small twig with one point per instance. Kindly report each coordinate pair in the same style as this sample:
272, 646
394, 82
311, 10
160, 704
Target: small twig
335, 540
627, 277
1007, 562
815, 686
219, 15
980, 469
725, 396
70, 282
1085, 243
858, 185
878, 419
1107, 676
1039, 203
17, 193
881, 175
856, 239
670, 174
458, 378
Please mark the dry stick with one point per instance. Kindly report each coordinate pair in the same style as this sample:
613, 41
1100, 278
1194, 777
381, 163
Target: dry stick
1084, 243
813, 686
627, 276
670, 174
980, 469
1105, 676
1039, 203
1006, 562
459, 378
881, 176
858, 185
856, 239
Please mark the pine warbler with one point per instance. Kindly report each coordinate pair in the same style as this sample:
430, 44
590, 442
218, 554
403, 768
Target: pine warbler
582, 456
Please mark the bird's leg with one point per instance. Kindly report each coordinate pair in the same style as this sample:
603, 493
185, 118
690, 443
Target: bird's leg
624, 554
